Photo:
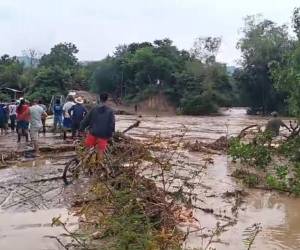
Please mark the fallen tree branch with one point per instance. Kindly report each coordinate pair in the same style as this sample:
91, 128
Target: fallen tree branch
57, 239
242, 133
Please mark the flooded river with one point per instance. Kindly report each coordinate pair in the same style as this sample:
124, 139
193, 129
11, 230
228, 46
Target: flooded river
23, 226
278, 214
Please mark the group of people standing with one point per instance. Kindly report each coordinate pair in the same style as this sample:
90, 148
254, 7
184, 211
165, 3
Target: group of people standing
29, 119
69, 115
8, 112
13, 115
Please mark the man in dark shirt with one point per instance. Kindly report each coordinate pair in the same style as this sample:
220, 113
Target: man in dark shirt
77, 113
101, 124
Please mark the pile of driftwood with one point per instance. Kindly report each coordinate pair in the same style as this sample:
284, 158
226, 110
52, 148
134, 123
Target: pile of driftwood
215, 147
125, 191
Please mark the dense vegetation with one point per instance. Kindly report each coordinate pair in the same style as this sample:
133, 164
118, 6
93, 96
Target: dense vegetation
193, 81
268, 76
56, 72
264, 166
270, 61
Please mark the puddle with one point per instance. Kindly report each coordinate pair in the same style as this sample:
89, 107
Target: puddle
34, 163
27, 231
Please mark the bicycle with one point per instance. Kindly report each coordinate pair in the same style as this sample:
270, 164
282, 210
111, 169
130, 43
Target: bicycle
106, 167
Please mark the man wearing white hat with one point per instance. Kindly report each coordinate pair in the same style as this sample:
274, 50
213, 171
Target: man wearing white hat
77, 113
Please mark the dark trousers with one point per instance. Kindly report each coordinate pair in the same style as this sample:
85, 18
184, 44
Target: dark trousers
44, 124
75, 128
12, 122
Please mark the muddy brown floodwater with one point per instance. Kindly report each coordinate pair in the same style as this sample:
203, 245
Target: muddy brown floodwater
278, 214
26, 208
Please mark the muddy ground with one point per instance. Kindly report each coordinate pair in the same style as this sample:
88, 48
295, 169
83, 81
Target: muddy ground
30, 194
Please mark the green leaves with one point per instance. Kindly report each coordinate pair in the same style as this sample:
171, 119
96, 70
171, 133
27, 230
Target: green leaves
11, 71
264, 42
57, 72
62, 55
287, 78
139, 70
252, 154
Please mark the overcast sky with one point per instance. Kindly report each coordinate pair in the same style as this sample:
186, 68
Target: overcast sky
97, 26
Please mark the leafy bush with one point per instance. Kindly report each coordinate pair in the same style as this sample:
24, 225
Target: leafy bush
253, 154
274, 183
199, 104
290, 149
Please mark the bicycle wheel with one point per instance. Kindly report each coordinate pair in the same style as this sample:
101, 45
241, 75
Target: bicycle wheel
71, 171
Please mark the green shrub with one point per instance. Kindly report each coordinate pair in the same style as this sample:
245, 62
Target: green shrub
198, 105
251, 154
274, 183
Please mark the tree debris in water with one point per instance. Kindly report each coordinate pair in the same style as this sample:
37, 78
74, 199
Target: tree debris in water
132, 205
215, 147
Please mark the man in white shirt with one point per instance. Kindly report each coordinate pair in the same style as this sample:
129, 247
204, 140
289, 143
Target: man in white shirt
67, 122
36, 114
12, 109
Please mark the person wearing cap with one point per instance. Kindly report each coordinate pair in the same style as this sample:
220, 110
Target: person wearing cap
77, 113
274, 124
100, 122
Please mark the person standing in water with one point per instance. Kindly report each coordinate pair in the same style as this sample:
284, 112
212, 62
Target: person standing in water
36, 114
274, 124
23, 117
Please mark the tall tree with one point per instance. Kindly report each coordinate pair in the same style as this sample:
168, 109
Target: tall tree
263, 42
33, 55
58, 72
296, 22
62, 55
287, 78
206, 48
11, 71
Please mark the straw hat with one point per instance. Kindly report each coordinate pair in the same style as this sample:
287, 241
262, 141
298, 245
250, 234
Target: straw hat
79, 100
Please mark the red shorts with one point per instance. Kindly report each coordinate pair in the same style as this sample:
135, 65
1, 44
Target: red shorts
92, 141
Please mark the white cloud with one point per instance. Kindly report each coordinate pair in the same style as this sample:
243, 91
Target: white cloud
97, 26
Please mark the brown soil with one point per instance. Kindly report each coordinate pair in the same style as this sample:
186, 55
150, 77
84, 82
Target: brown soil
155, 105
